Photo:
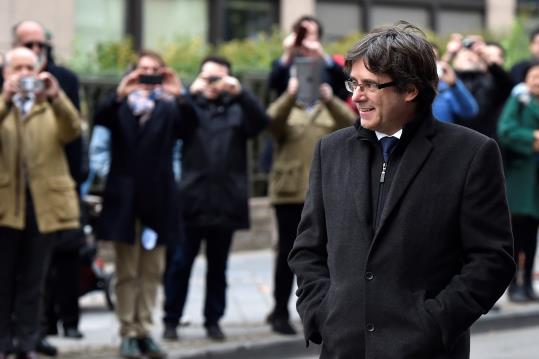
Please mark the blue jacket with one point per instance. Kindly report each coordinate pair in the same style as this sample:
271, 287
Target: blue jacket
454, 101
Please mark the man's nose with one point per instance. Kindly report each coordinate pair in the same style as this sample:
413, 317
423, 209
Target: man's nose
358, 95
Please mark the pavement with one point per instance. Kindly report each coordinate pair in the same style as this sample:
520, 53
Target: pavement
249, 300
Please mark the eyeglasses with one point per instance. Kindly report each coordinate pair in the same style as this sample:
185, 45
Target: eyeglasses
371, 87
31, 44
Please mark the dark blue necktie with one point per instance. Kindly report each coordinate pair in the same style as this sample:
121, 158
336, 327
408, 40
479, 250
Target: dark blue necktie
387, 143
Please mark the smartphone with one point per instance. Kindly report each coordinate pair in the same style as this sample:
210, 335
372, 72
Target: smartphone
300, 36
150, 79
308, 71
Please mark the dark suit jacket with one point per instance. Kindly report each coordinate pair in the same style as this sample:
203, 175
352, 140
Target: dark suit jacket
140, 184
440, 257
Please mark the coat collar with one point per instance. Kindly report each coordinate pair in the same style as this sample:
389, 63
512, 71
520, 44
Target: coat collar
417, 147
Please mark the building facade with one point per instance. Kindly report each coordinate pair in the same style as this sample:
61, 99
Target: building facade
79, 25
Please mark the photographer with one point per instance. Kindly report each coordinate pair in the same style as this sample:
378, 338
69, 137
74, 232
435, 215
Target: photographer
479, 66
145, 117
37, 193
214, 189
453, 99
296, 127
305, 41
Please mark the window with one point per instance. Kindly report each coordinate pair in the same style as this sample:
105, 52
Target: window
339, 19
243, 18
98, 21
166, 20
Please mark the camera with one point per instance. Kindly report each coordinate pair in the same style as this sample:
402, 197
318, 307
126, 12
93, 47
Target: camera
29, 84
150, 79
213, 79
300, 36
467, 42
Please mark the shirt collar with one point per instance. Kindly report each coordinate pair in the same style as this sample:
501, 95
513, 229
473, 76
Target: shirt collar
397, 134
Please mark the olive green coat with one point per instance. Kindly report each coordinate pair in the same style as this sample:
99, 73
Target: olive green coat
515, 134
295, 132
32, 155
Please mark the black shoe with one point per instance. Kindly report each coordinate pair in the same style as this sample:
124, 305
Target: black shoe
129, 348
517, 294
27, 355
72, 332
214, 332
282, 326
170, 332
46, 348
530, 292
150, 348
51, 330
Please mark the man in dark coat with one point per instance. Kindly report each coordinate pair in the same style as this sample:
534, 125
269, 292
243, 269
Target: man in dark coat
404, 239
140, 212
213, 189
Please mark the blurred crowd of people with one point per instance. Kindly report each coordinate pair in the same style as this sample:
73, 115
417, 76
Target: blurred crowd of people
174, 162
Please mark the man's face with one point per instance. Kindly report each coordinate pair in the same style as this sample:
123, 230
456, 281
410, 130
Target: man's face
32, 36
22, 64
384, 110
148, 65
534, 46
212, 73
532, 81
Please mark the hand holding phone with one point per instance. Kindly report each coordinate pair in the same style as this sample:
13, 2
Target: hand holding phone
300, 36
153, 79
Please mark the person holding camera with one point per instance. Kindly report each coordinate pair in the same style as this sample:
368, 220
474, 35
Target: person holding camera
61, 295
37, 193
214, 188
140, 213
453, 98
478, 64
305, 41
296, 126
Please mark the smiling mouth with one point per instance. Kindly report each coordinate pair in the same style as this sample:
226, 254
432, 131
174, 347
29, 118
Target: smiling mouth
366, 109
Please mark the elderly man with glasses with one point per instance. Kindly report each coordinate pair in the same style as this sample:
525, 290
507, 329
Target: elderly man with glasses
62, 289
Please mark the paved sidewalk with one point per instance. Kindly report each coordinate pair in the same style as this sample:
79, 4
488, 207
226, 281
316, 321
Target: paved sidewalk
249, 301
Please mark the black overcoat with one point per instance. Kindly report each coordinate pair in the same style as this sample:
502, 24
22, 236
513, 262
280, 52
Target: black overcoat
440, 257
140, 184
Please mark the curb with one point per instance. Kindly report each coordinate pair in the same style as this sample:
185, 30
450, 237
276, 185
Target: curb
506, 321
285, 347
288, 347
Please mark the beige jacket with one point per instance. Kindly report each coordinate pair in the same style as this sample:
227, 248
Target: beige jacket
296, 132
32, 155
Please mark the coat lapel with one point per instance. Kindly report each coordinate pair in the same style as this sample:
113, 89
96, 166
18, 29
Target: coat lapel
415, 154
359, 180
128, 124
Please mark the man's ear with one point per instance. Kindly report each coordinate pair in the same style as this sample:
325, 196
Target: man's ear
411, 93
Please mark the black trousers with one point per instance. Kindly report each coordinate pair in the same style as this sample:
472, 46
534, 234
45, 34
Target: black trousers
180, 263
62, 290
288, 217
525, 235
24, 258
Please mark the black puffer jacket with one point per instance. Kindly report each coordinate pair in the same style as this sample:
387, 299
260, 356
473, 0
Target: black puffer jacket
214, 188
